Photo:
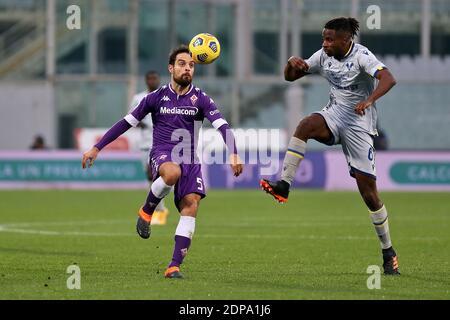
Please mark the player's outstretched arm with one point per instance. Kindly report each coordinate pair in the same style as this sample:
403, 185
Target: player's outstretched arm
385, 83
112, 134
295, 69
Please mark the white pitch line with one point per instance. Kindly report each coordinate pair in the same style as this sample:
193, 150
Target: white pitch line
12, 228
245, 236
228, 236
243, 224
65, 233
62, 223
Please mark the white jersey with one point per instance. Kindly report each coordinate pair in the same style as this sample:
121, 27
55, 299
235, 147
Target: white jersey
147, 133
352, 80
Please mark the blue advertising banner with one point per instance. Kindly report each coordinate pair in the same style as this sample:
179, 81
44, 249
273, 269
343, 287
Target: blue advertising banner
311, 174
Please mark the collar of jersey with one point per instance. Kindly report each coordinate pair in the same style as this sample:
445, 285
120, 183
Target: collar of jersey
349, 50
173, 91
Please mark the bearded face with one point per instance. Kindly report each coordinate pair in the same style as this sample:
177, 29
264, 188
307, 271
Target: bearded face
183, 69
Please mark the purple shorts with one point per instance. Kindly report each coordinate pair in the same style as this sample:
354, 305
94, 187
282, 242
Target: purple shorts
191, 180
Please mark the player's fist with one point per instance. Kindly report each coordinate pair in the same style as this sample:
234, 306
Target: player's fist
298, 63
360, 107
89, 157
236, 164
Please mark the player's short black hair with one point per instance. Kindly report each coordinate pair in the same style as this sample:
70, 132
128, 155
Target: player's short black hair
173, 55
151, 72
350, 25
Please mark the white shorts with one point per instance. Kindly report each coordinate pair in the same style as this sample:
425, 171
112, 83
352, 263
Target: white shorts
356, 144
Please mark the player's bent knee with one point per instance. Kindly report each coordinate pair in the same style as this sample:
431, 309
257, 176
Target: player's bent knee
170, 172
190, 211
306, 128
189, 205
170, 178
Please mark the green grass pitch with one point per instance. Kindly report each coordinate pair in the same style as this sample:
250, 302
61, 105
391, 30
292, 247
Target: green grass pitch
246, 246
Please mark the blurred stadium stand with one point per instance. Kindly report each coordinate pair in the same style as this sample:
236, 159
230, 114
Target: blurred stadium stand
70, 79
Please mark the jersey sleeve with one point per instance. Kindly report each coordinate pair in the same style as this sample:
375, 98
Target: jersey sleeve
314, 62
369, 63
146, 106
211, 112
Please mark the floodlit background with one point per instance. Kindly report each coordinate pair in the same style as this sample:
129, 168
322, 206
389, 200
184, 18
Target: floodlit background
54, 80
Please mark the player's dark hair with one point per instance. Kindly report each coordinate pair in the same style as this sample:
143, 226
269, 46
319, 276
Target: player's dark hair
177, 51
350, 25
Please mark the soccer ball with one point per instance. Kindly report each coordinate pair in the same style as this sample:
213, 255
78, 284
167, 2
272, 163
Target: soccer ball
204, 48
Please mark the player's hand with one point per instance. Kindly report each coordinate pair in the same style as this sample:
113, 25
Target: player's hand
236, 164
89, 157
360, 107
298, 63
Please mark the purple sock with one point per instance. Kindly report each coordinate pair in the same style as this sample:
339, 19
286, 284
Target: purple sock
182, 245
151, 203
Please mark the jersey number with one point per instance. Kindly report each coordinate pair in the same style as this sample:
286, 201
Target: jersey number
370, 155
200, 184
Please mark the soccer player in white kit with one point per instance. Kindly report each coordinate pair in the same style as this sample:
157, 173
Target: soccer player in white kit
152, 82
349, 119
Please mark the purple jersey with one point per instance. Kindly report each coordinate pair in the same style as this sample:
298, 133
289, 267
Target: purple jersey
171, 112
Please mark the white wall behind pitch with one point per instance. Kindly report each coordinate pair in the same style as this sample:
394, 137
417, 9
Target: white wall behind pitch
26, 110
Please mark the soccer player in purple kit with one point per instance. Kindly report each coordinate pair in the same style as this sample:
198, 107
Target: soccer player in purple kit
174, 108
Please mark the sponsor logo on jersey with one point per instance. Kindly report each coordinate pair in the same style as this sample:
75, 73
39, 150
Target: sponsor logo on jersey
184, 110
214, 112
349, 65
165, 98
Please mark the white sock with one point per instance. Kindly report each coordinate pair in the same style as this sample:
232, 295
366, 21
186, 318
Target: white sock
160, 189
186, 227
294, 155
380, 221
